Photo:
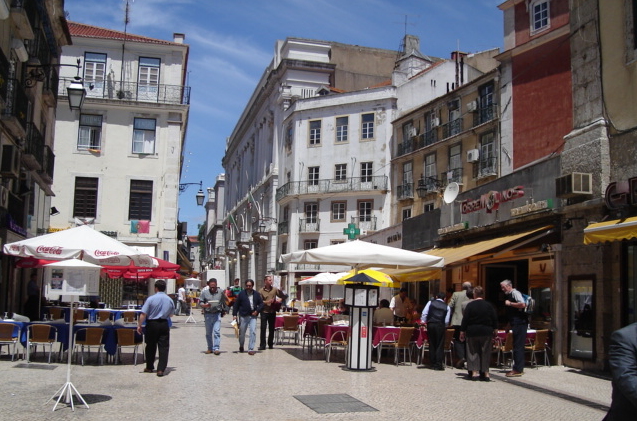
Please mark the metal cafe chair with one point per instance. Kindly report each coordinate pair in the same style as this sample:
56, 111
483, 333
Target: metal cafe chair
338, 340
89, 337
539, 345
291, 327
41, 334
127, 338
9, 335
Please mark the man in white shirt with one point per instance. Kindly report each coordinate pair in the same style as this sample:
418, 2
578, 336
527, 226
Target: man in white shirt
397, 306
181, 301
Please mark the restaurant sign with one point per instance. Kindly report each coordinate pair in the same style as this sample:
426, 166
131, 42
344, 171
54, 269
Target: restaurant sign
532, 207
490, 201
621, 194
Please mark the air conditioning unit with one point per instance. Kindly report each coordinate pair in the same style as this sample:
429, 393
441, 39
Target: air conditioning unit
473, 155
573, 185
4, 197
472, 106
435, 122
10, 161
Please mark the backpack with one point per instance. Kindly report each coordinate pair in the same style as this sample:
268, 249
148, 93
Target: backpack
529, 304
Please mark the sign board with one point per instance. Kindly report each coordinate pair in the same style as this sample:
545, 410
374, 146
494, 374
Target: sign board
72, 281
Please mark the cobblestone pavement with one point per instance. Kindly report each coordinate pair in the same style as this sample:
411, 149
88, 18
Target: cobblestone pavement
234, 386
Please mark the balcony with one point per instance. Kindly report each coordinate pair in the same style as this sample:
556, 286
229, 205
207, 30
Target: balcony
133, 91
16, 108
407, 146
426, 186
452, 128
487, 167
353, 184
485, 114
453, 176
430, 137
309, 225
24, 14
283, 228
33, 152
49, 162
364, 223
405, 191
38, 49
50, 88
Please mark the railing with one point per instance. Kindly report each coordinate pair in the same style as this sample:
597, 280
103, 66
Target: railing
34, 147
453, 176
452, 128
407, 146
283, 227
487, 167
364, 223
309, 225
378, 182
39, 48
430, 137
405, 191
133, 91
485, 114
17, 103
427, 186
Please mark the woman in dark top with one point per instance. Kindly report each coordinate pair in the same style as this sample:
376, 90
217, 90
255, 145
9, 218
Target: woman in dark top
479, 322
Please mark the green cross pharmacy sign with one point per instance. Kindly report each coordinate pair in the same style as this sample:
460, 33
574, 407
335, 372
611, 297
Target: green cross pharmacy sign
351, 231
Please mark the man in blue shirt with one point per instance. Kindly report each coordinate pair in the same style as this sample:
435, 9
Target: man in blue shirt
156, 311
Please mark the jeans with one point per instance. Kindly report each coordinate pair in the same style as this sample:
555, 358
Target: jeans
519, 340
213, 325
267, 324
248, 321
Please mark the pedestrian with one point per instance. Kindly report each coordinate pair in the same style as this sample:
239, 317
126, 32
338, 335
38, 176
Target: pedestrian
271, 296
32, 305
479, 324
436, 314
214, 303
455, 303
397, 305
247, 306
156, 311
518, 322
622, 358
181, 301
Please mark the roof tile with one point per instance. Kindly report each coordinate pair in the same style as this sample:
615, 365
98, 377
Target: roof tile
88, 31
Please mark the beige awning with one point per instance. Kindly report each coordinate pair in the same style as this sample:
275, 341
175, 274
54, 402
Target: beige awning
455, 255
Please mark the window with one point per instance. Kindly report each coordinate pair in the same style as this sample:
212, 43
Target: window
367, 127
284, 247
406, 213
313, 176
539, 11
310, 244
487, 162
338, 211
144, 135
286, 213
367, 169
430, 172
148, 78
485, 112
342, 124
141, 199
94, 72
85, 199
340, 172
315, 132
311, 213
409, 131
334, 242
455, 163
408, 177
90, 133
428, 207
365, 208
288, 137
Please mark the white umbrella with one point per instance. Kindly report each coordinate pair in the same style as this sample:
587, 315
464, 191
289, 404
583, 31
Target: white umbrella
323, 278
81, 242
361, 254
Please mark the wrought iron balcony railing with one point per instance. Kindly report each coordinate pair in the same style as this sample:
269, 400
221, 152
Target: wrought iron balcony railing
283, 227
485, 114
33, 152
16, 104
454, 175
405, 191
353, 184
367, 223
452, 128
132, 91
487, 167
309, 225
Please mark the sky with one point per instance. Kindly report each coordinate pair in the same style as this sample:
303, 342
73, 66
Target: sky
232, 43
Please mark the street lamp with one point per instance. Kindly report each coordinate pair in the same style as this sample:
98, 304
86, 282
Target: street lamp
200, 196
76, 93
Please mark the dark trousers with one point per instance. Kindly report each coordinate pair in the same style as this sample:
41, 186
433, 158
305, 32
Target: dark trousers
436, 332
157, 336
479, 353
519, 340
267, 322
459, 346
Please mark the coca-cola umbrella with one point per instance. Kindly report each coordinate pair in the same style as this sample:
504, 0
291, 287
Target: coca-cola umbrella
161, 269
81, 242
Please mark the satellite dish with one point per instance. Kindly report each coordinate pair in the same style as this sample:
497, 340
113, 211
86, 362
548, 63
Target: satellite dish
451, 192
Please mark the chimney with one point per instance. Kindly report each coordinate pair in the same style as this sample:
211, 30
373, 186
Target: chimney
178, 38
412, 43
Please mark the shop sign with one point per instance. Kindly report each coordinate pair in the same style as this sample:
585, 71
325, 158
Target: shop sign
453, 228
532, 207
620, 194
491, 201
393, 238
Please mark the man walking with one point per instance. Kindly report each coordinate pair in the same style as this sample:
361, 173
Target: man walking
156, 311
622, 358
247, 305
181, 301
214, 304
518, 321
455, 303
436, 314
269, 294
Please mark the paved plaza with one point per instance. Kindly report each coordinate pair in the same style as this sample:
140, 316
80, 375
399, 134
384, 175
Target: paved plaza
274, 384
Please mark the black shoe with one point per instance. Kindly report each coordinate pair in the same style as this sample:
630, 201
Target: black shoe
485, 379
438, 368
240, 349
261, 348
271, 347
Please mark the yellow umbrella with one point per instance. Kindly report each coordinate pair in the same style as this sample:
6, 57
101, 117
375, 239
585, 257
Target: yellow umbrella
369, 276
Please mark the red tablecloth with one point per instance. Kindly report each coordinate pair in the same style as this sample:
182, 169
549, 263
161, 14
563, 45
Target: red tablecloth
278, 322
390, 333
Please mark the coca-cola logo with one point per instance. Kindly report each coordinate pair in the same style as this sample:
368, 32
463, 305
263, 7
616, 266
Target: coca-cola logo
105, 253
49, 250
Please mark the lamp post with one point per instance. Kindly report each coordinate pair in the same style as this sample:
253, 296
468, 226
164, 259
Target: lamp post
200, 196
76, 93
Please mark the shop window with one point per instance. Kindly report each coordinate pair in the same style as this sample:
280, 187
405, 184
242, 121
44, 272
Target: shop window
581, 317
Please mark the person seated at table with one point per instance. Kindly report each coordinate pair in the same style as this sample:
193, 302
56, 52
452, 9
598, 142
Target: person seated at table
383, 316
342, 308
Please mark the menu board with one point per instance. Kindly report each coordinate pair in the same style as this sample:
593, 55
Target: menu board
73, 281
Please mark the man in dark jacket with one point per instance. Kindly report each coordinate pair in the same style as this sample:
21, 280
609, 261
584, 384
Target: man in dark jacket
622, 357
436, 314
248, 305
